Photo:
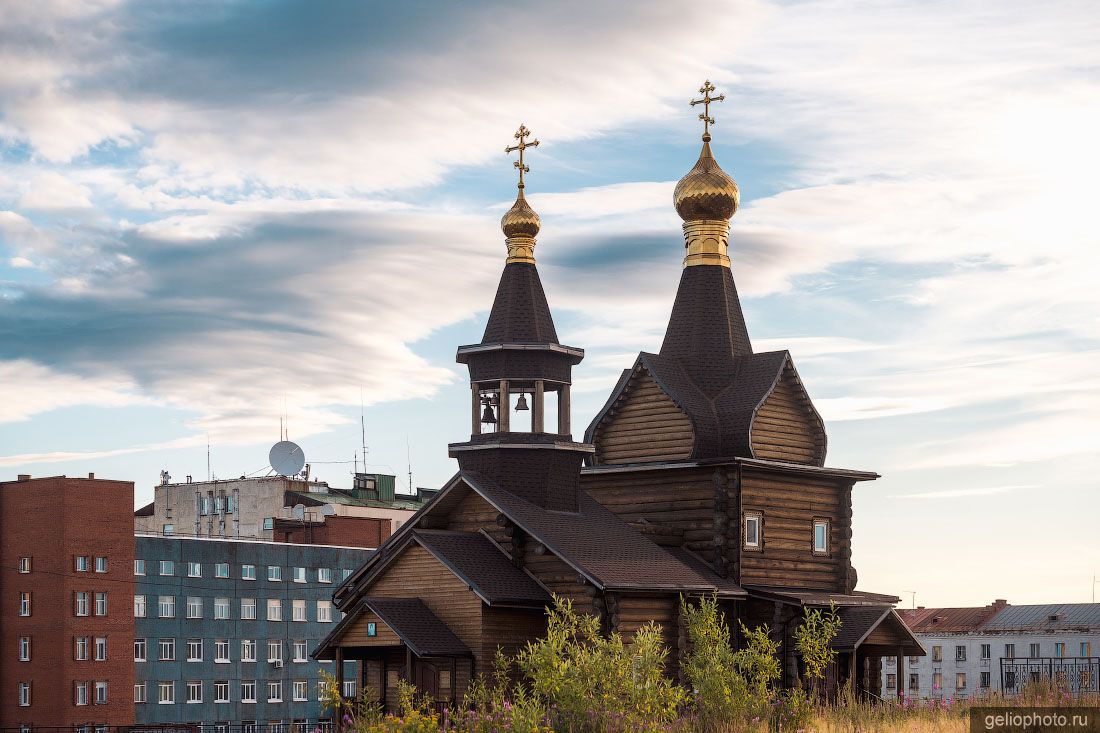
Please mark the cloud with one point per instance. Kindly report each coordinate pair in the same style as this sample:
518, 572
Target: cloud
958, 493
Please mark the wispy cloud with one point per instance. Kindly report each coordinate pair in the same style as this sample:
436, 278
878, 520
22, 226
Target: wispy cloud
958, 493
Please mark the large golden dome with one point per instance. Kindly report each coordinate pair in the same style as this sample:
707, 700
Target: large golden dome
706, 192
520, 220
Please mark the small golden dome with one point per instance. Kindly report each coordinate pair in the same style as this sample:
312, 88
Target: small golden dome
520, 220
706, 192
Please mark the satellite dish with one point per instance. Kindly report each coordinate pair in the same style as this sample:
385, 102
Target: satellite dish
286, 458
299, 511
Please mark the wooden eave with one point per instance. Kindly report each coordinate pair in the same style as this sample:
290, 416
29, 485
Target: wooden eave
762, 464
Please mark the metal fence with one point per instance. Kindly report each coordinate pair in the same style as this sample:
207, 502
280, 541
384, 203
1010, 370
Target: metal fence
1072, 675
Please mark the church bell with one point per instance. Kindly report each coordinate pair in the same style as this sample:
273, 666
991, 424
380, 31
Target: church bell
521, 403
487, 415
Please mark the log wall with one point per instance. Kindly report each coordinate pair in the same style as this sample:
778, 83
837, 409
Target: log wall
786, 428
643, 426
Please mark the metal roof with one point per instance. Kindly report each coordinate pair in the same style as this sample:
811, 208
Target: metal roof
1047, 617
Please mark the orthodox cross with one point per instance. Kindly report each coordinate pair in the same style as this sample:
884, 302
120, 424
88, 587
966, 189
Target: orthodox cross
521, 135
705, 90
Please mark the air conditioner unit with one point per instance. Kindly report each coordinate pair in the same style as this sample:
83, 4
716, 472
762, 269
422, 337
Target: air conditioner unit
277, 663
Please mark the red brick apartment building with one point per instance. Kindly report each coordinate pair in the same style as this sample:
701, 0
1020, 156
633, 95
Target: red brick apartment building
66, 595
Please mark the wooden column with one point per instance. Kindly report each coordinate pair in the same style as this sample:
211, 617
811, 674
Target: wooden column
340, 685
537, 412
900, 670
475, 398
563, 410
504, 410
866, 674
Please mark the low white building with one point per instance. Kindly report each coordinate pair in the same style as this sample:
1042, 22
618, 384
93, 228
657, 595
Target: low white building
1000, 648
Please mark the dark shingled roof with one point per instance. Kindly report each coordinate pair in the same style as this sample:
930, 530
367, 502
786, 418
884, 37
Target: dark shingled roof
706, 327
145, 511
857, 623
596, 542
520, 313
810, 597
725, 586
475, 560
421, 630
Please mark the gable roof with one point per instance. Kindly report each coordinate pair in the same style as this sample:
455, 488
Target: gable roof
722, 415
479, 563
857, 623
421, 630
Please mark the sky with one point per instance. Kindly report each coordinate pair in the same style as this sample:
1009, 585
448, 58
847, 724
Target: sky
214, 215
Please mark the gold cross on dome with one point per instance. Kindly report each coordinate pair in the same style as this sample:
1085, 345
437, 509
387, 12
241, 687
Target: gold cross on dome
705, 90
521, 134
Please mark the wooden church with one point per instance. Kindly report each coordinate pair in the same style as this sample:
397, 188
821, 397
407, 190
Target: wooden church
703, 474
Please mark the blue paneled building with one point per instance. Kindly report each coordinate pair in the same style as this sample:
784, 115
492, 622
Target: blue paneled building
223, 630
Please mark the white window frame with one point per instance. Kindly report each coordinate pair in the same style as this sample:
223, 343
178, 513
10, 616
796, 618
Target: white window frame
194, 606
300, 646
24, 694
349, 688
166, 606
274, 609
141, 650
100, 646
194, 569
221, 570
248, 609
170, 689
101, 692
248, 572
101, 564
80, 563
167, 567
191, 688
220, 646
221, 691
80, 694
101, 603
24, 648
324, 575
298, 608
299, 575
248, 691
300, 691
274, 690
248, 650
140, 693
24, 603
275, 573
324, 611
170, 646
139, 566
824, 525
194, 645
753, 518
221, 609
82, 603
277, 648
80, 649
24, 565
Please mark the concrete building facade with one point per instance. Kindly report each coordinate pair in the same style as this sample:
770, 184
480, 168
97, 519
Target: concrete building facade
224, 629
66, 625
1001, 648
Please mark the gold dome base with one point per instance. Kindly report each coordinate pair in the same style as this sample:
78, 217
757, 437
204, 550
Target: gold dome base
707, 242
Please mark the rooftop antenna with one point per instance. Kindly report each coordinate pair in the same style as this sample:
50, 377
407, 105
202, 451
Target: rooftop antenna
1094, 582
913, 595
208, 456
408, 457
363, 427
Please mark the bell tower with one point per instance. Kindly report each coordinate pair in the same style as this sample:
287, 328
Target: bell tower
516, 369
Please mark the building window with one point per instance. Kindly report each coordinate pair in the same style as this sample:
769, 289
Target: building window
168, 530
1086, 648
167, 567
24, 564
914, 682
300, 691
937, 653
221, 608
960, 653
25, 603
891, 682
752, 530
1034, 652
960, 680
274, 651
101, 564
985, 651
269, 522
140, 650
248, 608
139, 692
81, 563
1010, 651
81, 653
274, 609
166, 693
248, 692
101, 603
324, 575
821, 537
221, 570
937, 682
166, 607
80, 693
275, 691
324, 611
166, 649
139, 606
299, 575
81, 603
299, 610
274, 572
139, 567
248, 572
194, 691
349, 688
347, 573
248, 650
101, 648
194, 607
194, 650
221, 691
1059, 649
24, 648
100, 693
300, 651
983, 680
24, 694
194, 570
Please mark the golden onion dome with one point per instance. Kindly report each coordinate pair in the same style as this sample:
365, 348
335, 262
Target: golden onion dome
520, 220
706, 192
